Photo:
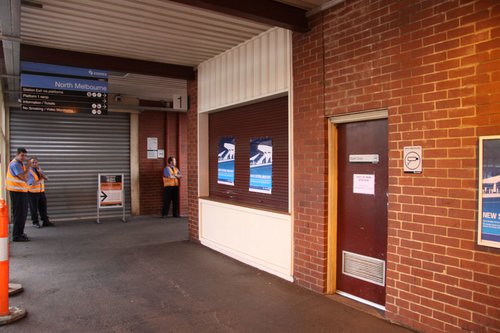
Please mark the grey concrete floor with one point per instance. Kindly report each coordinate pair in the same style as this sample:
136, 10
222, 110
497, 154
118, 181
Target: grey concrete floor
143, 276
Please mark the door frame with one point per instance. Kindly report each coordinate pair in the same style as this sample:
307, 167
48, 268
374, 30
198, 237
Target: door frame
334, 121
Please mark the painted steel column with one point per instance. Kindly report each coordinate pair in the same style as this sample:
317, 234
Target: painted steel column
135, 193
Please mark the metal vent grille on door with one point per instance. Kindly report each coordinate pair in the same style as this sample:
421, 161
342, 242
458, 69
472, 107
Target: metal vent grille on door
72, 150
364, 268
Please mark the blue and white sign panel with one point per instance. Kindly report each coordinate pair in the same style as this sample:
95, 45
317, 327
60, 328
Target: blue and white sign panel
225, 161
489, 191
34, 67
63, 83
54, 88
261, 165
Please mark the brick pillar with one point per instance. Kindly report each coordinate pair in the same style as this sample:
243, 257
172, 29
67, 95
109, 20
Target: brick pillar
192, 129
310, 159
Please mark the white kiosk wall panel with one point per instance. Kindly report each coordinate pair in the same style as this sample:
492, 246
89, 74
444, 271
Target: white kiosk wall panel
251, 71
256, 70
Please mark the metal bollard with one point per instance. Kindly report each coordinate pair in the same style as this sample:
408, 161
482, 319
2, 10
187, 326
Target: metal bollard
8, 314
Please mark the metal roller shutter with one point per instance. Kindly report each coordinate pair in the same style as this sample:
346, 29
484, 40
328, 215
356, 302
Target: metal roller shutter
263, 119
72, 150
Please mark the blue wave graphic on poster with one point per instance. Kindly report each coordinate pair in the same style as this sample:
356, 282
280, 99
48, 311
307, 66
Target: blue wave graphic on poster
261, 165
225, 161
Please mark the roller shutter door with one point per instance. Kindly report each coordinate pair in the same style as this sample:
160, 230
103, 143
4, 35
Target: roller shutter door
259, 120
72, 150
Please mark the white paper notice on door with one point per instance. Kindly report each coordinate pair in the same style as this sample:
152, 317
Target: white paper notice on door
363, 184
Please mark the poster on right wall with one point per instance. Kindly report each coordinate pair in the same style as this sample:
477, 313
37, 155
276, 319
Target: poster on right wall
261, 165
489, 191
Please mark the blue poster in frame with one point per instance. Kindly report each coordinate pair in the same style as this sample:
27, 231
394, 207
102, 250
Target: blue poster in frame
261, 165
225, 161
489, 191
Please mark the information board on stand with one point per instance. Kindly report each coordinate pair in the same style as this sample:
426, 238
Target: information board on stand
110, 193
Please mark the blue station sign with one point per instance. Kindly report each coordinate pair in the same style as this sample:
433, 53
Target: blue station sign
54, 88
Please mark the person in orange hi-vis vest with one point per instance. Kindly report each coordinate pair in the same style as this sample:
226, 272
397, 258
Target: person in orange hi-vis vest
36, 195
17, 184
171, 177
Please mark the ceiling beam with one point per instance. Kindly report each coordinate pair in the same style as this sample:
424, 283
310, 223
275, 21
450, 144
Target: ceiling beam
104, 62
264, 11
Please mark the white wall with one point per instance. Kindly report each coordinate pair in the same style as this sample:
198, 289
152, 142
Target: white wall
258, 238
256, 70
250, 71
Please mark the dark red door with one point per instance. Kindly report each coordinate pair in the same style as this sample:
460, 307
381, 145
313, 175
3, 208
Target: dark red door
362, 209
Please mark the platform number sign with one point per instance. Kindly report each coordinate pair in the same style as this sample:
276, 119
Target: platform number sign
180, 102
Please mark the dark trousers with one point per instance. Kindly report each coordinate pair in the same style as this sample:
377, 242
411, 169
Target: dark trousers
170, 194
38, 203
19, 202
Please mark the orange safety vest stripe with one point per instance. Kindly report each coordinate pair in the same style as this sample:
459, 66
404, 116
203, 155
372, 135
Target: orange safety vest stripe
14, 184
171, 181
39, 187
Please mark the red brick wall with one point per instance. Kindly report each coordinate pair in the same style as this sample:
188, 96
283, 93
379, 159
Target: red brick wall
435, 65
310, 150
183, 163
192, 144
164, 126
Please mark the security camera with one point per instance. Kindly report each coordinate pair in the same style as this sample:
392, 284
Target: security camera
118, 98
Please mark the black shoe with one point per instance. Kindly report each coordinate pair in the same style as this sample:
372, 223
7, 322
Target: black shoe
22, 238
48, 224
37, 225
177, 216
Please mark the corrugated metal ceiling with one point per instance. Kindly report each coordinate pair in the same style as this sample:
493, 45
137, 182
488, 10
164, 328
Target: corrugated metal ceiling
153, 30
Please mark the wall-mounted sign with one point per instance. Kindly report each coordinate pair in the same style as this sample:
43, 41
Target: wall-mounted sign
152, 148
180, 102
152, 143
412, 159
261, 165
225, 161
152, 154
363, 184
364, 158
161, 153
489, 191
54, 88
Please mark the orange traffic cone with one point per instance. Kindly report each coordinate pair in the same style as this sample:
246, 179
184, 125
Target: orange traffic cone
8, 314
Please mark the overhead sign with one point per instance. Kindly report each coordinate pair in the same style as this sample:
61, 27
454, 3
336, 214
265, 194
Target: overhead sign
412, 159
110, 193
180, 102
54, 88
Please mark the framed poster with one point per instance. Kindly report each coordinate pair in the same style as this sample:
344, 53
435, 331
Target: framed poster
261, 165
225, 161
489, 191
